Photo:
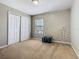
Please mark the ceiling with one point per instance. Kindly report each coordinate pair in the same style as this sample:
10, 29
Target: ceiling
44, 5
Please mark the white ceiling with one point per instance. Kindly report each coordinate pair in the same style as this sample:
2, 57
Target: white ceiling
44, 5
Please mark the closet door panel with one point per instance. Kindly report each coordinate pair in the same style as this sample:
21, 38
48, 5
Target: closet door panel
13, 29
17, 28
25, 28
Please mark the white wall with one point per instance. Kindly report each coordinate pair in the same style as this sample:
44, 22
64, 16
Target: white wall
3, 25
75, 26
57, 24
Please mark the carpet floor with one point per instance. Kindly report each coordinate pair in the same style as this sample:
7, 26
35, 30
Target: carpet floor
35, 49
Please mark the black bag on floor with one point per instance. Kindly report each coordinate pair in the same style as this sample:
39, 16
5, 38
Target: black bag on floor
47, 39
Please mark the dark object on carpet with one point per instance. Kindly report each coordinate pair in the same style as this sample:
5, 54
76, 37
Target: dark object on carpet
47, 39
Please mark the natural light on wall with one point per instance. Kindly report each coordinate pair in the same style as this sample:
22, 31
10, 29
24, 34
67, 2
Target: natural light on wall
35, 1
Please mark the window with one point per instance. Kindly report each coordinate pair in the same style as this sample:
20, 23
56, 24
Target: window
39, 27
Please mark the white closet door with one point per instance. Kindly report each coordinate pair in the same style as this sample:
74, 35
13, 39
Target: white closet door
25, 28
13, 29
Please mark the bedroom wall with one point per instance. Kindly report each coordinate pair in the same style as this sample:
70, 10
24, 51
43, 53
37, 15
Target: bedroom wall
3, 21
75, 26
3, 25
57, 24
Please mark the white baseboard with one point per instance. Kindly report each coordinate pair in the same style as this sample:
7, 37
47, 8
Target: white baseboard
3, 46
71, 46
63, 42
75, 51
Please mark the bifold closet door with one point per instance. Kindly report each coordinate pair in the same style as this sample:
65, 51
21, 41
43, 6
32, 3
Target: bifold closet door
13, 28
25, 28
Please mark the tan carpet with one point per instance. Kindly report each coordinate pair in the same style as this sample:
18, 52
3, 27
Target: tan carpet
35, 49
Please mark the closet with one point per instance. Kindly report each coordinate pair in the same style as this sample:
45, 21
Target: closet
18, 28
25, 28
